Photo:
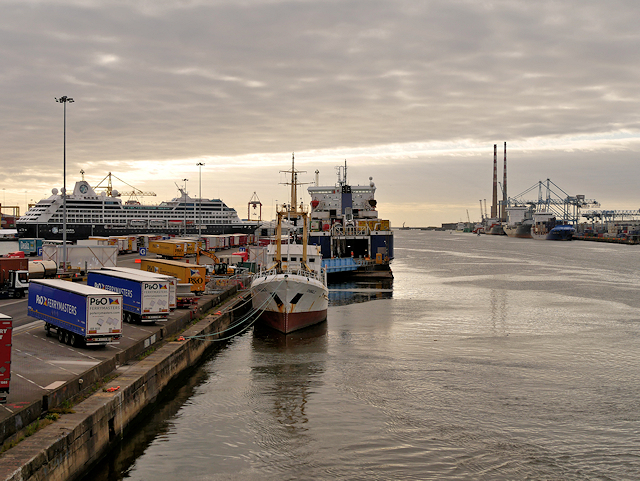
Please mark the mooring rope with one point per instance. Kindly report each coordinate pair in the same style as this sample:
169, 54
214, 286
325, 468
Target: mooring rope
259, 310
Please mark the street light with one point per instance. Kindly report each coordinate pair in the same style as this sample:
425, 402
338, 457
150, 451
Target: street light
200, 165
184, 194
64, 100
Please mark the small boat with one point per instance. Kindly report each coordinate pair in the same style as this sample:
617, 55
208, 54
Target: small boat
493, 227
562, 232
291, 293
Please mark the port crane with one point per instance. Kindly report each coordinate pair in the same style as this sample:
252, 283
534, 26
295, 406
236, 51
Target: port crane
133, 195
611, 215
552, 198
254, 202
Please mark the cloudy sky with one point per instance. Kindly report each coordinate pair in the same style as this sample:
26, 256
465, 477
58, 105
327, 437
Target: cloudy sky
413, 93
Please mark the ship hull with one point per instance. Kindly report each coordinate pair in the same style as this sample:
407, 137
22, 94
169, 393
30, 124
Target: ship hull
521, 231
79, 231
289, 302
561, 233
496, 230
553, 232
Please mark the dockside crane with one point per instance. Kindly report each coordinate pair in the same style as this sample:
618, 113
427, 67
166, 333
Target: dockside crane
110, 191
552, 198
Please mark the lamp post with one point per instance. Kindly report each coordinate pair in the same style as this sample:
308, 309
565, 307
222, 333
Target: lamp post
200, 165
184, 194
64, 100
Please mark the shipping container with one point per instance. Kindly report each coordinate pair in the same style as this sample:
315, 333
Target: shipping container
82, 257
14, 277
80, 314
185, 273
144, 239
101, 241
167, 248
144, 299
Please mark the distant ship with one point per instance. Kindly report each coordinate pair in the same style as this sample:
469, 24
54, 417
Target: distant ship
493, 226
547, 227
519, 222
91, 214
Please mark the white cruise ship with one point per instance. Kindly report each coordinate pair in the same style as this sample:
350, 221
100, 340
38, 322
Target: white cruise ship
92, 214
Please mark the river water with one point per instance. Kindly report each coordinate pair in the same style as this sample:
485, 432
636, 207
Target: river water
493, 358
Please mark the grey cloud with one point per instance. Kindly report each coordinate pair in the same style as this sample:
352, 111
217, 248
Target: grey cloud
172, 80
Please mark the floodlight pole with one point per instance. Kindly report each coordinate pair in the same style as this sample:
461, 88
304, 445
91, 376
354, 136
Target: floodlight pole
185, 206
64, 100
200, 164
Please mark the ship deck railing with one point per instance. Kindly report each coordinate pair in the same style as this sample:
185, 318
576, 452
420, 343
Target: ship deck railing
319, 276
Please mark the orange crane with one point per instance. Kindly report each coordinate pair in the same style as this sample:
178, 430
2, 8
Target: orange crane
220, 268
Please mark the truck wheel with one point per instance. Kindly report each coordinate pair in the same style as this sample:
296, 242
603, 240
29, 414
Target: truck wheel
60, 335
47, 329
73, 341
67, 337
16, 294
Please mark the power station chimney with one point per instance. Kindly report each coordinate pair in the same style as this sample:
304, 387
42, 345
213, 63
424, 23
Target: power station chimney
504, 186
494, 205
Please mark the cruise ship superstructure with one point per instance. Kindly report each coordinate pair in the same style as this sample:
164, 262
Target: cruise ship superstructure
93, 214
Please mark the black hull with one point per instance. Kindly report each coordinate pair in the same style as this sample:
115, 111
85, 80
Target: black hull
76, 231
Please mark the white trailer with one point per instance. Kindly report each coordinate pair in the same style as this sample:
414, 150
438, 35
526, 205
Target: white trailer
82, 257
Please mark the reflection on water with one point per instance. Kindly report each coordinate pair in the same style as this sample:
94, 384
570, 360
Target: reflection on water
353, 292
288, 380
493, 358
157, 425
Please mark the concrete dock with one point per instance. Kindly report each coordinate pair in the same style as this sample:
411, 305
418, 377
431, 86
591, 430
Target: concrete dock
47, 374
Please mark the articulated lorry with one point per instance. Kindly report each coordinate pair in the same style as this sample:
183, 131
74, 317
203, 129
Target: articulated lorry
80, 315
14, 277
6, 329
173, 282
186, 273
144, 299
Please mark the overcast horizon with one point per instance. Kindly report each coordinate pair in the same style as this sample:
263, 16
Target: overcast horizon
412, 93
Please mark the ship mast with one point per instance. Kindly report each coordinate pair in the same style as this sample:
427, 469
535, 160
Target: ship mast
292, 210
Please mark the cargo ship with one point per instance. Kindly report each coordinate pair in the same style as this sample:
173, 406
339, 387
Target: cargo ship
519, 222
344, 223
92, 214
291, 292
547, 227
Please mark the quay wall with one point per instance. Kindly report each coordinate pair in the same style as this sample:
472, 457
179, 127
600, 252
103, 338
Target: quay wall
67, 448
10, 426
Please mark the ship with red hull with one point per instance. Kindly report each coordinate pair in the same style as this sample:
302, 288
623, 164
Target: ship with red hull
291, 292
291, 299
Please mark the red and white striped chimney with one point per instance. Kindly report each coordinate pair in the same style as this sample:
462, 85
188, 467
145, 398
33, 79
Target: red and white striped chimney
504, 186
494, 205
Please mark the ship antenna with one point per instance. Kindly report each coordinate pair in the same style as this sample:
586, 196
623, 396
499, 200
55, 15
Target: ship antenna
345, 171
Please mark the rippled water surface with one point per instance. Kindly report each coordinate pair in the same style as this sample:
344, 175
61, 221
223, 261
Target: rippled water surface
493, 358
